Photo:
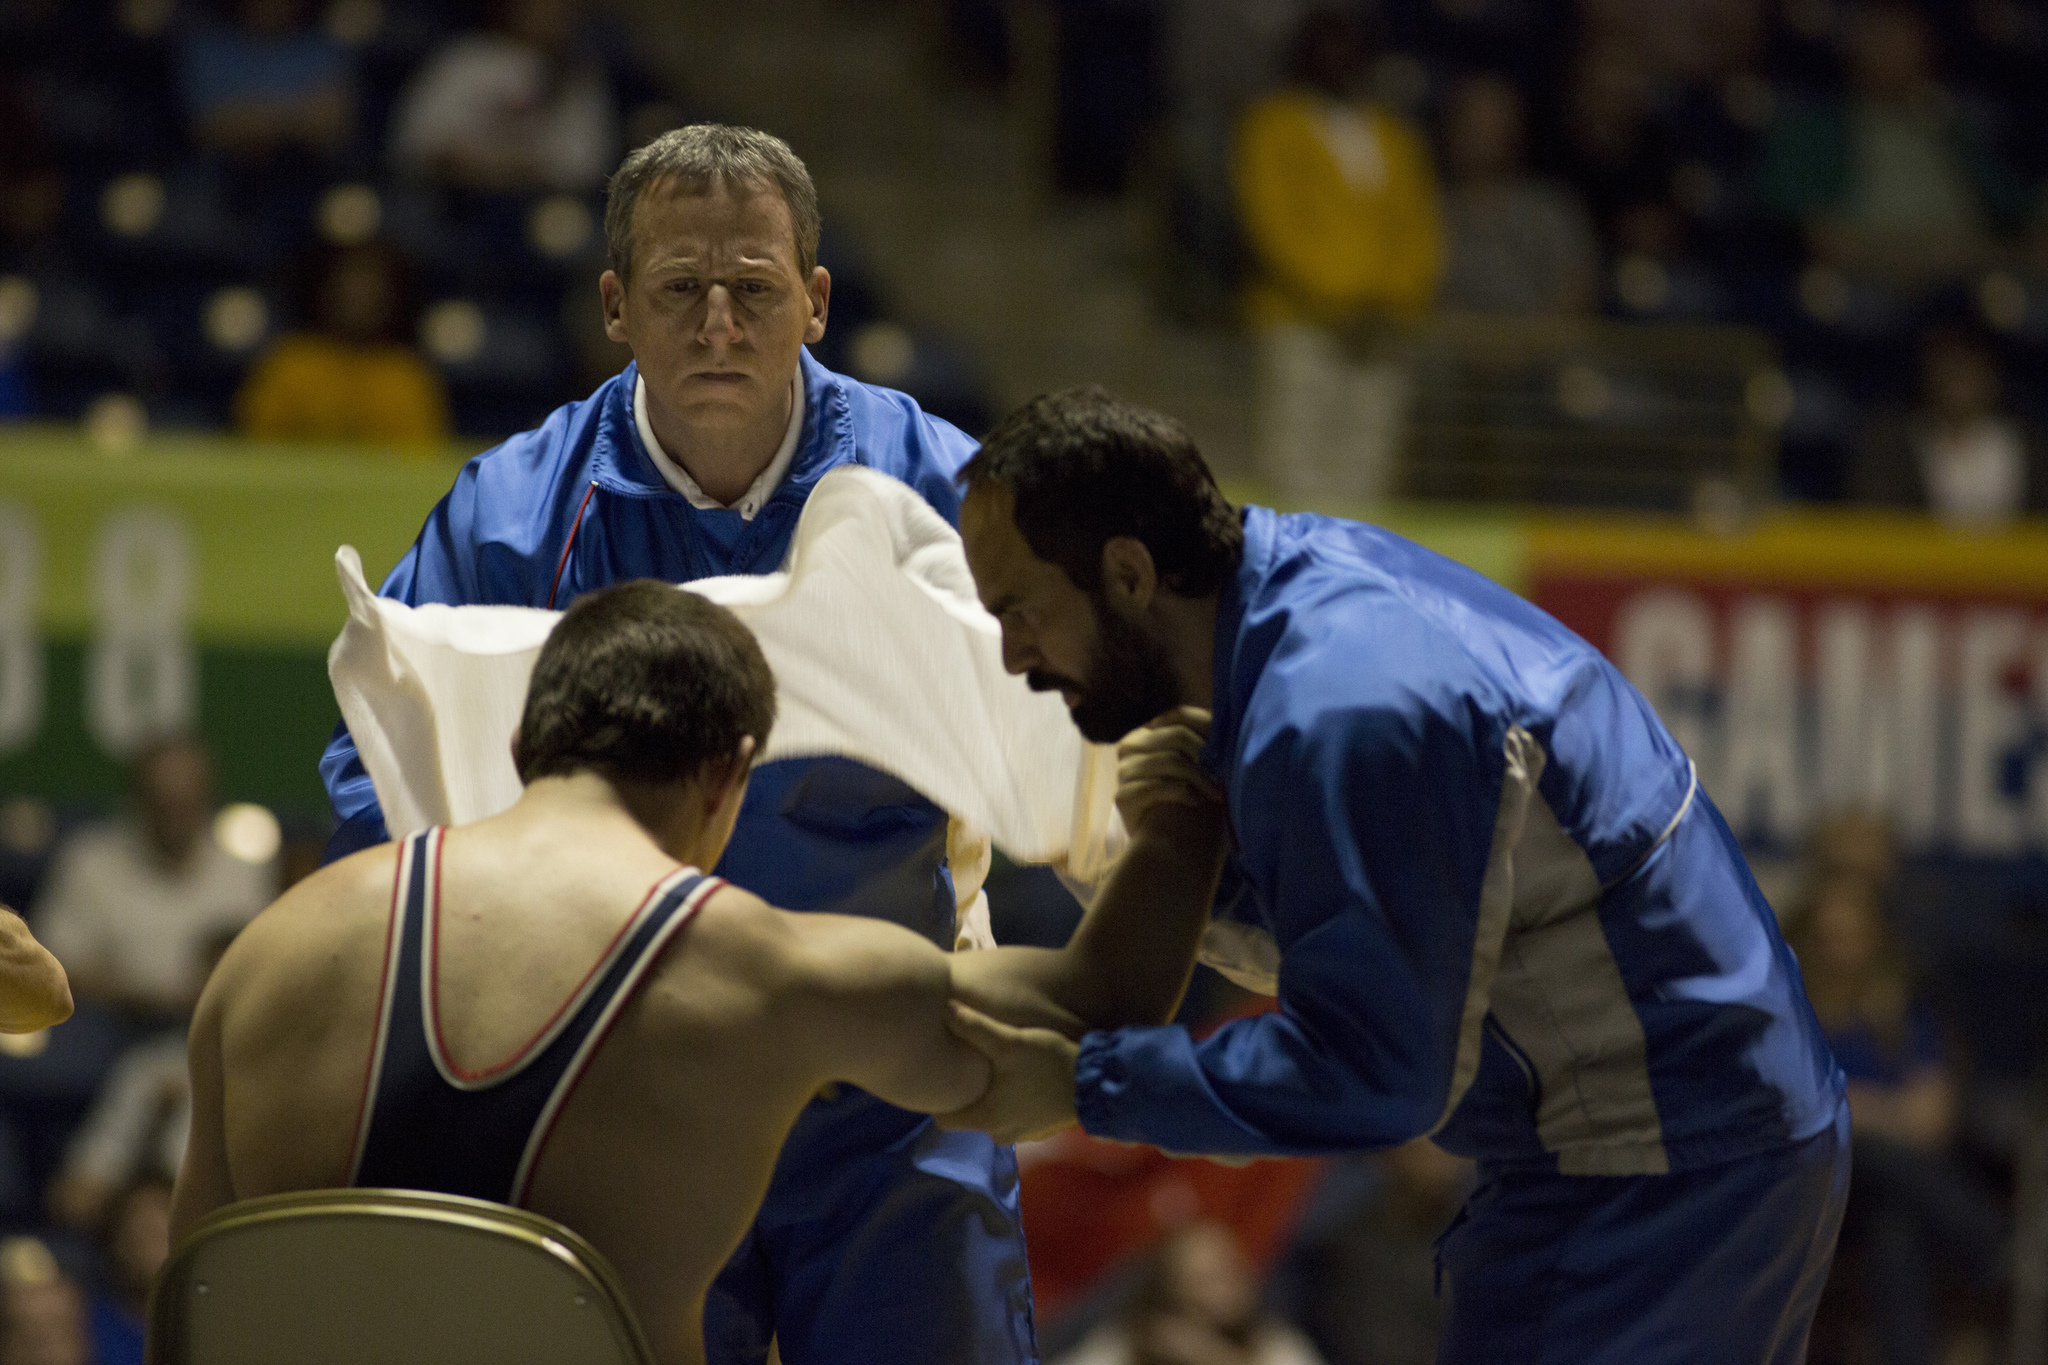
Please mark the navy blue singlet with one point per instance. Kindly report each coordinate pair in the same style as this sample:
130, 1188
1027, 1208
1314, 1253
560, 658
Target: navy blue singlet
425, 1124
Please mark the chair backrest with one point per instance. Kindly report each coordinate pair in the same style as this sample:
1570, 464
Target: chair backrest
396, 1277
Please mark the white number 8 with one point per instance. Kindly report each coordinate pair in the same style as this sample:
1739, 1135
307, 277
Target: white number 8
141, 678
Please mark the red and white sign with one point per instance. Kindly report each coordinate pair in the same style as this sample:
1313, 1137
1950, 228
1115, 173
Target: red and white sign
1798, 702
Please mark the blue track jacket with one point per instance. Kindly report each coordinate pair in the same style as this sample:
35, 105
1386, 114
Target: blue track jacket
1506, 914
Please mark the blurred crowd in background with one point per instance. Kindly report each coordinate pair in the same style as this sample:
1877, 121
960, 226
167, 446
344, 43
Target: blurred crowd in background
1861, 182
380, 223
345, 222
232, 212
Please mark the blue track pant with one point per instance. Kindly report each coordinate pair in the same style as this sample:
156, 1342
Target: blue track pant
1722, 1265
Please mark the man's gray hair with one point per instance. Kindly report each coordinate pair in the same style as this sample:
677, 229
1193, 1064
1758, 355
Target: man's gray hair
700, 159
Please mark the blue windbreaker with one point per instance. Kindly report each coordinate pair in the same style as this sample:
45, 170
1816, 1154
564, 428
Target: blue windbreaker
577, 504
1504, 912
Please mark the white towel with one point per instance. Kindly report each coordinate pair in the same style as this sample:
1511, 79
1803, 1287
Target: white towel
881, 652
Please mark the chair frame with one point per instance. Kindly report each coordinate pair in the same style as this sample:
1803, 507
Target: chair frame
168, 1300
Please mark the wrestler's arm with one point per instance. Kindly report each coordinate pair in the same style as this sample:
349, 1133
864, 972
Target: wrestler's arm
872, 1000
1133, 953
34, 992
1129, 960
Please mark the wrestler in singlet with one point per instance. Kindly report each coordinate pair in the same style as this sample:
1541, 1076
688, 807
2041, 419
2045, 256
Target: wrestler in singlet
648, 1111
427, 1124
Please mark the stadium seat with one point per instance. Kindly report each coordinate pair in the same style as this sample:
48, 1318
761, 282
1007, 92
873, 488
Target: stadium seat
338, 1277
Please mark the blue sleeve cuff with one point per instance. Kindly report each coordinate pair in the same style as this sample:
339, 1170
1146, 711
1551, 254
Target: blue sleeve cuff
1253, 1088
1098, 1079
1147, 1085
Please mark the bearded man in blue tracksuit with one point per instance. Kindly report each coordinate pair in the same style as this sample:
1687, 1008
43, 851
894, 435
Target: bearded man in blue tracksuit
1482, 879
882, 1239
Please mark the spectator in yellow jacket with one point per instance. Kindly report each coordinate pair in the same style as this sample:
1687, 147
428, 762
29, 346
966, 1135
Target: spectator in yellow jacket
1339, 202
350, 377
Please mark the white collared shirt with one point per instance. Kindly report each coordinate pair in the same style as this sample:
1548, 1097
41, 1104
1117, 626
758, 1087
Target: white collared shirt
679, 478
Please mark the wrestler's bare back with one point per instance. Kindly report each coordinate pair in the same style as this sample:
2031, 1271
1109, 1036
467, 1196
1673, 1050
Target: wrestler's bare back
664, 1151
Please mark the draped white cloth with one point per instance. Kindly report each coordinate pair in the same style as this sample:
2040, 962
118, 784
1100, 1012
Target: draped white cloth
881, 651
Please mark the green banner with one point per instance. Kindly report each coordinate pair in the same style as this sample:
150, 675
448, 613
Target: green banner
186, 584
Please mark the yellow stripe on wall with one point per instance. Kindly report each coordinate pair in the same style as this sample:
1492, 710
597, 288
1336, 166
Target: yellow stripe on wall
1818, 548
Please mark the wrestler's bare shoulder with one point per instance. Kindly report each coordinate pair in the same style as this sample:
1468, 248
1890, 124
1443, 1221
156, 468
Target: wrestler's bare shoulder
780, 976
785, 958
733, 963
317, 939
803, 985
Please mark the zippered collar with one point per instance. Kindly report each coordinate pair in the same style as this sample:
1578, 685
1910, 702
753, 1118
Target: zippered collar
620, 464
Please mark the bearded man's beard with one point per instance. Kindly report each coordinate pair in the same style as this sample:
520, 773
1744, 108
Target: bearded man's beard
1130, 680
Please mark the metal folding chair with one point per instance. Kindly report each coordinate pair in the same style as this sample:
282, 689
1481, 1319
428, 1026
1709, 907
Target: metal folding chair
394, 1277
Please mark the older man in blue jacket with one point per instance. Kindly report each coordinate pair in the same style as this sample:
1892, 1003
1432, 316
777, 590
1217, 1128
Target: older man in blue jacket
882, 1239
1483, 880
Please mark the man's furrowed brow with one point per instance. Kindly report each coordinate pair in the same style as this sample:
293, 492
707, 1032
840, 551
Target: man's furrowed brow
744, 260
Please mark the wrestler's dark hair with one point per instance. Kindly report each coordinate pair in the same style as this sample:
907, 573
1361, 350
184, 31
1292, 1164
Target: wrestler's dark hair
1086, 467
700, 159
643, 681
